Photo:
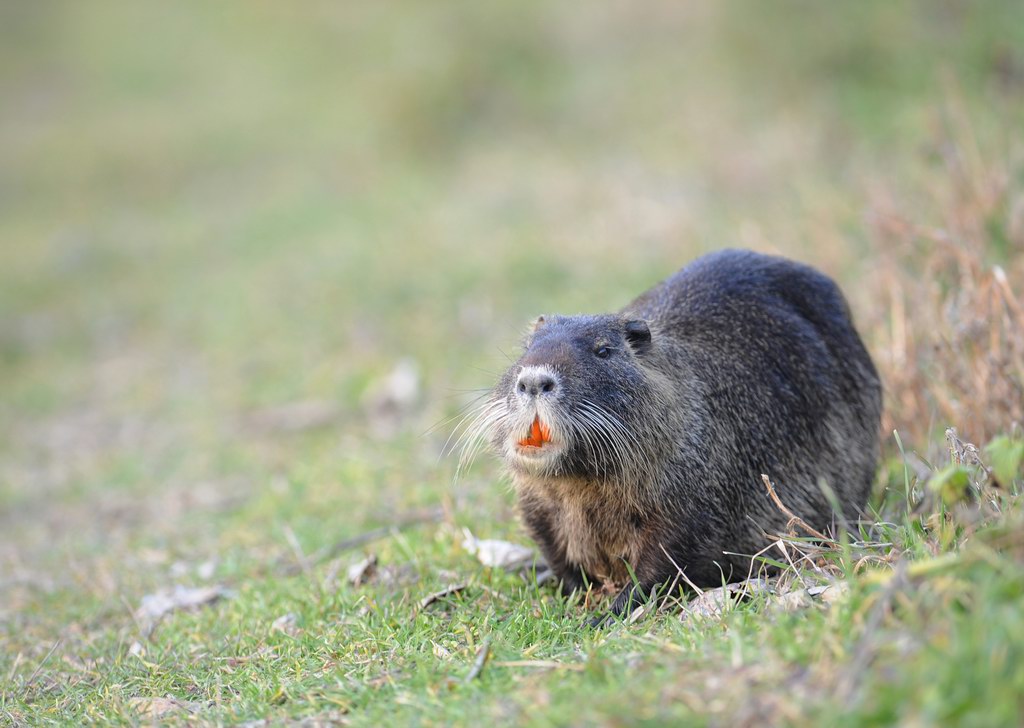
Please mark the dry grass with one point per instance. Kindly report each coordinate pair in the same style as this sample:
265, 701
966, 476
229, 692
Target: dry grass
949, 311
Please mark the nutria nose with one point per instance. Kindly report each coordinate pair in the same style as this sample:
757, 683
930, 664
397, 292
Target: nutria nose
535, 381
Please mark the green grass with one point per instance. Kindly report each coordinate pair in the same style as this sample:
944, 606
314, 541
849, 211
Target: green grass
208, 215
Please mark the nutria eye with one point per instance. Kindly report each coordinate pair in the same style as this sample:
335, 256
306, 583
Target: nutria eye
602, 352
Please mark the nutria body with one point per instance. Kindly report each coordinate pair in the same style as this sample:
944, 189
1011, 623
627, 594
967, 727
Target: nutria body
639, 438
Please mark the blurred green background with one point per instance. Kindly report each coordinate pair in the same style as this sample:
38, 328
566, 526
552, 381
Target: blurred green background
253, 255
209, 209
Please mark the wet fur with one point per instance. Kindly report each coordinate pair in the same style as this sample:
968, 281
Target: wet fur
753, 366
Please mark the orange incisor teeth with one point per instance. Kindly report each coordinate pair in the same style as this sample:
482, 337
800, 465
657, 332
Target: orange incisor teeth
539, 434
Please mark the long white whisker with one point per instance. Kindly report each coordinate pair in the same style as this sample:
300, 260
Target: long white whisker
472, 439
462, 412
475, 430
636, 465
467, 425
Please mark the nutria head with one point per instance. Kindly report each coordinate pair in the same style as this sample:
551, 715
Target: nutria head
579, 402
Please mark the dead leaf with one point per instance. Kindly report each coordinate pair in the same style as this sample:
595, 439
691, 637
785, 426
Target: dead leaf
154, 606
204, 570
362, 571
712, 602
287, 623
497, 554
804, 598
446, 592
794, 601
833, 592
160, 707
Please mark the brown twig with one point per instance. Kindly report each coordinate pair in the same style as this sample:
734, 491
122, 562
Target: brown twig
39, 667
682, 574
417, 518
481, 660
793, 518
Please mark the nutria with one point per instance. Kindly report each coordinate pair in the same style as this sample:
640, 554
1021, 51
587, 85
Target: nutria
637, 440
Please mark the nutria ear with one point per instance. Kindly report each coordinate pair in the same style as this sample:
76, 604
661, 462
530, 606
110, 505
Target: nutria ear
638, 334
538, 323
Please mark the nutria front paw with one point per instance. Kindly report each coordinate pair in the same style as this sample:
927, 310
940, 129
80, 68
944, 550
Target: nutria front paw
625, 602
